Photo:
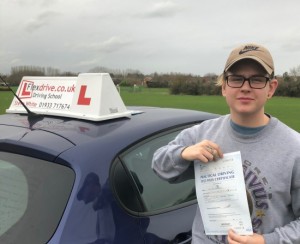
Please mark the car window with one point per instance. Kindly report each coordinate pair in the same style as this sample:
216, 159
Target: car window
153, 193
33, 197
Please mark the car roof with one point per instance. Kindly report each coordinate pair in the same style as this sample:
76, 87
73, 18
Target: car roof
64, 133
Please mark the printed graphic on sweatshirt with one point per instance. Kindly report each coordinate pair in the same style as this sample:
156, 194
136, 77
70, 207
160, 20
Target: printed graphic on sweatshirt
258, 196
260, 192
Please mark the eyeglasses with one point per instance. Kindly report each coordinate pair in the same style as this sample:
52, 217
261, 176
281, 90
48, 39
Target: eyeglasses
255, 82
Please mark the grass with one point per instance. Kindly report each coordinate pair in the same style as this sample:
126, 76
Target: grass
284, 108
159, 97
5, 100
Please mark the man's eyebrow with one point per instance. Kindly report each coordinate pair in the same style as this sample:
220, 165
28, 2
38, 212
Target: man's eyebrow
264, 75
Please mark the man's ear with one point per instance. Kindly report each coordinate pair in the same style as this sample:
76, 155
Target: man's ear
273, 84
224, 90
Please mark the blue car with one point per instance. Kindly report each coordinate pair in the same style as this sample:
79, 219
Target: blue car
69, 180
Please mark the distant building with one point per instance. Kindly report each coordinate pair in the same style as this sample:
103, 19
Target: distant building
3, 87
146, 80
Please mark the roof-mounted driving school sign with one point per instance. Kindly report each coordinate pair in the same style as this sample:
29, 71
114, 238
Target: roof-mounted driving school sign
90, 96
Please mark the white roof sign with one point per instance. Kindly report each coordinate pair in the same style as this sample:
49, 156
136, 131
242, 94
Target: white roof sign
90, 96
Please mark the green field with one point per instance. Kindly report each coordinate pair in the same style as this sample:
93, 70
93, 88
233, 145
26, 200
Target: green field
5, 100
284, 108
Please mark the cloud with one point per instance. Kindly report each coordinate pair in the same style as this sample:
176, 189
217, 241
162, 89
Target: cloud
291, 41
110, 45
89, 62
293, 46
163, 9
159, 35
41, 20
96, 52
25, 3
15, 61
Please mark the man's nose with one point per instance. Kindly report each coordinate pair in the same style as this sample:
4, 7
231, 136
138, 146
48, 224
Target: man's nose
246, 84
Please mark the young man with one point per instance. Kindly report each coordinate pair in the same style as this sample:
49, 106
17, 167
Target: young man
270, 151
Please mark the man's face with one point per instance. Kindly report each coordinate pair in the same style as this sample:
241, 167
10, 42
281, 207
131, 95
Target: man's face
245, 101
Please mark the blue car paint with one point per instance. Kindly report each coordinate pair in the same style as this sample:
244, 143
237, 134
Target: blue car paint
89, 148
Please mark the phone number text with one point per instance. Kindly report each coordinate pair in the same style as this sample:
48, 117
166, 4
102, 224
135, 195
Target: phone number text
60, 106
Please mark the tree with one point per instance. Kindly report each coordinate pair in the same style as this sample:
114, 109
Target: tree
295, 72
18, 72
286, 77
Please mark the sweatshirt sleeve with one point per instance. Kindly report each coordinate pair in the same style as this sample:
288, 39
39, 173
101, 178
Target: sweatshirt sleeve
289, 233
167, 161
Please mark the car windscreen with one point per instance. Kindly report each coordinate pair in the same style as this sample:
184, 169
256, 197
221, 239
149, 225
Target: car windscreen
33, 196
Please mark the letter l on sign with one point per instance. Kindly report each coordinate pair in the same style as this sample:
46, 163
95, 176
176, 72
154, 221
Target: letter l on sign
25, 92
82, 100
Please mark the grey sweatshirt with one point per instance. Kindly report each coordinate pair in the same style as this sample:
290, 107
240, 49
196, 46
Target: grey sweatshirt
271, 163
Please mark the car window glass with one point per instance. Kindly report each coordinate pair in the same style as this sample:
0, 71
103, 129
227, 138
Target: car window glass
33, 194
13, 195
155, 193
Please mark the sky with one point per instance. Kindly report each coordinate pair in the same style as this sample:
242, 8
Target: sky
163, 36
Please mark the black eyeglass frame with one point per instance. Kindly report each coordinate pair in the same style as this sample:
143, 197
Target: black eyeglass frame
249, 81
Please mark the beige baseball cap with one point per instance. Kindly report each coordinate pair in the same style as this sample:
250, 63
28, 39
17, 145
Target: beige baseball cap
251, 51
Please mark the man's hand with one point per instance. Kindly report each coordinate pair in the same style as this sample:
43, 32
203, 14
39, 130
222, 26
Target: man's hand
204, 151
234, 238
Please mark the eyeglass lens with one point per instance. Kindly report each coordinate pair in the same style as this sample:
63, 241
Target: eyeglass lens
256, 82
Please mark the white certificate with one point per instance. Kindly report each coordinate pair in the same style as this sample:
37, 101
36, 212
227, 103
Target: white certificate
221, 195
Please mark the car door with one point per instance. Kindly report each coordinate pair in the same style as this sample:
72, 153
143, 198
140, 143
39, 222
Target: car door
166, 210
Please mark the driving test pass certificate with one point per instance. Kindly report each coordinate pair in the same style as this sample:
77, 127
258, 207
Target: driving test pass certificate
221, 195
